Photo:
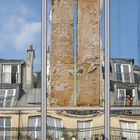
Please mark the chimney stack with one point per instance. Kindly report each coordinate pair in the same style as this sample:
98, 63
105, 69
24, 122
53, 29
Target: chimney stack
29, 67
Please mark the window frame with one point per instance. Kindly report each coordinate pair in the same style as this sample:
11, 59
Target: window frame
122, 72
84, 124
54, 124
4, 126
128, 129
118, 95
17, 76
36, 125
6, 96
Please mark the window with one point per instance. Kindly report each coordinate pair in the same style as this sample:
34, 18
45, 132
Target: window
7, 97
84, 130
128, 130
10, 74
123, 93
34, 125
121, 96
5, 124
54, 126
123, 72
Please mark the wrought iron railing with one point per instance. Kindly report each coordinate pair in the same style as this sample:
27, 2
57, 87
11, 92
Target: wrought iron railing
94, 133
53, 133
22, 133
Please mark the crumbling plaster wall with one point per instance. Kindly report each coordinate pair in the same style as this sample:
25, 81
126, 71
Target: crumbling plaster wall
61, 52
88, 53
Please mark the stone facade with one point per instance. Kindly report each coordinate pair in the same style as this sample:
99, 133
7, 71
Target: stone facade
89, 52
62, 52
87, 83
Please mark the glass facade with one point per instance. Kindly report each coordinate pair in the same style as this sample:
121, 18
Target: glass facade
20, 70
75, 54
124, 69
69, 70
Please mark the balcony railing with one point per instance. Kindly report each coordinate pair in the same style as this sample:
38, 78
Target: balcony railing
124, 134
53, 133
22, 133
95, 133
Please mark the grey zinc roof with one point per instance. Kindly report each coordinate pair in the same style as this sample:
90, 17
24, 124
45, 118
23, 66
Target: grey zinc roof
30, 99
123, 59
136, 67
11, 60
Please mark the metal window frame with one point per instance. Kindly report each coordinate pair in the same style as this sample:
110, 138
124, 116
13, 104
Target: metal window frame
107, 108
44, 71
107, 71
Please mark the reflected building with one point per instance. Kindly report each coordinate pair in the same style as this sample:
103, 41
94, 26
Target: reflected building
75, 53
74, 125
89, 125
19, 85
124, 81
20, 125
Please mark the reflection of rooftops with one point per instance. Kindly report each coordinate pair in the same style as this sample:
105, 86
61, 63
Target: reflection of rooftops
31, 98
123, 59
136, 67
19, 85
11, 60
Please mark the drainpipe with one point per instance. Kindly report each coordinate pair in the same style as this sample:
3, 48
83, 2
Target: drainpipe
75, 53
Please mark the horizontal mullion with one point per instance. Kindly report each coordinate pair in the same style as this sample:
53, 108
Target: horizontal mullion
19, 108
91, 108
126, 108
75, 108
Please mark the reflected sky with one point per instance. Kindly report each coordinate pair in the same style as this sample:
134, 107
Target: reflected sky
124, 29
20, 26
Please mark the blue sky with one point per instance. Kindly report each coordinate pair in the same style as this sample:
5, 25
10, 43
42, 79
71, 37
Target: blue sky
124, 29
20, 26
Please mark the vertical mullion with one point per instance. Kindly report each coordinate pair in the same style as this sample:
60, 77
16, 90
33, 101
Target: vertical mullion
44, 71
107, 81
75, 52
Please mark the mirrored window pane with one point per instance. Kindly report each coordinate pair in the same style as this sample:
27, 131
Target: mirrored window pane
15, 125
125, 124
20, 53
75, 53
75, 124
124, 52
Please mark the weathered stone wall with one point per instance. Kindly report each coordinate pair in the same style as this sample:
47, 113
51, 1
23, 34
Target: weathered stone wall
89, 52
61, 52
88, 59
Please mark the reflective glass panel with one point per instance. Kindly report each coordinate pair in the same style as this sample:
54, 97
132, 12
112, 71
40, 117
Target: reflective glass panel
20, 53
75, 53
20, 125
75, 125
124, 52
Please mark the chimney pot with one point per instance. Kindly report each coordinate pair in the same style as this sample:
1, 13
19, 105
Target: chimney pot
30, 48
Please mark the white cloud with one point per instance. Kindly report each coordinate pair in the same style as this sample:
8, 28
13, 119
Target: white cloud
19, 27
19, 32
28, 34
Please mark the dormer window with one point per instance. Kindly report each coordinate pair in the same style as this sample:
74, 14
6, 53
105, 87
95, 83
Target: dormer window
123, 72
10, 74
122, 95
7, 97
